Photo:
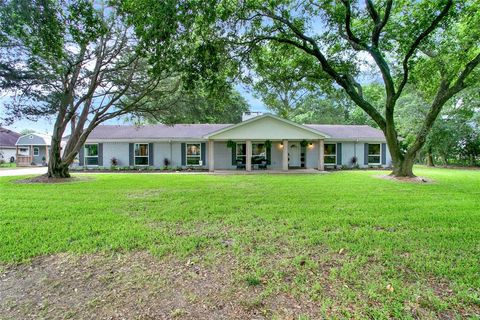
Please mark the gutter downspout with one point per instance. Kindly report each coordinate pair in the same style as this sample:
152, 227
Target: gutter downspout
355, 150
171, 159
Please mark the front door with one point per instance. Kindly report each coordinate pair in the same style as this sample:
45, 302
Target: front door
294, 154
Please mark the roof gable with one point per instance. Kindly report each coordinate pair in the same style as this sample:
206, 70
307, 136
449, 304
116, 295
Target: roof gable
34, 139
266, 126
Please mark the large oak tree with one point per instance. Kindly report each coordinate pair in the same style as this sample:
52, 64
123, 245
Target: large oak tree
80, 63
430, 44
433, 45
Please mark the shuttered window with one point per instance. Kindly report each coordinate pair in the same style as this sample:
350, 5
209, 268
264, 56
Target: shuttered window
91, 154
141, 154
330, 153
241, 152
374, 153
194, 154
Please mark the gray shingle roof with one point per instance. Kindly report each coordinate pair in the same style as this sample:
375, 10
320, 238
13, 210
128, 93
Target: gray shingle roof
348, 131
197, 131
8, 138
157, 131
38, 139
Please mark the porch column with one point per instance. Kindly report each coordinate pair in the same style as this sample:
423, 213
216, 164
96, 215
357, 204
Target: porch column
321, 149
46, 153
285, 156
211, 163
16, 155
248, 162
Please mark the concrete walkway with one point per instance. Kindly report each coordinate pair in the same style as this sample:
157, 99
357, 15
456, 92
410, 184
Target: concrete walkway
271, 171
23, 171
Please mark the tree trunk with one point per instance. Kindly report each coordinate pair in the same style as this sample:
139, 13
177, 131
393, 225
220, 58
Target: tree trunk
57, 168
430, 162
403, 167
445, 159
60, 171
402, 163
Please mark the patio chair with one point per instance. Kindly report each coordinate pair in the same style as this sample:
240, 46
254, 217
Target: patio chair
240, 164
263, 164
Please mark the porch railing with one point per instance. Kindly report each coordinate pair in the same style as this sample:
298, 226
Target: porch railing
23, 161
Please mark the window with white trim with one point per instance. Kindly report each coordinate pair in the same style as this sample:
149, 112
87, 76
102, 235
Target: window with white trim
259, 150
374, 153
36, 151
23, 151
91, 154
194, 154
241, 152
330, 153
141, 154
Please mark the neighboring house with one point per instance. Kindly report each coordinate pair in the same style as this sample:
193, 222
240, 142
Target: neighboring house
33, 149
8, 138
263, 141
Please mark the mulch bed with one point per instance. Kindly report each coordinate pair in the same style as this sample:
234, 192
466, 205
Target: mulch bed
420, 180
137, 171
44, 179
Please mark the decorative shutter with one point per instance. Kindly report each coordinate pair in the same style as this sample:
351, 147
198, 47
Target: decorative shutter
131, 161
150, 154
269, 155
365, 154
384, 153
81, 156
203, 152
234, 155
184, 154
100, 154
339, 153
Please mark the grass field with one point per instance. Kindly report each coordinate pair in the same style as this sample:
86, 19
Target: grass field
8, 166
345, 244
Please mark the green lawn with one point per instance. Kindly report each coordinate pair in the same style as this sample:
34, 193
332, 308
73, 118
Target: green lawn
337, 240
8, 166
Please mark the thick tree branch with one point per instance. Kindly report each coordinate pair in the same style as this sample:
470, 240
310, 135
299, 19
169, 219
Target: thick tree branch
413, 47
379, 60
344, 81
355, 42
379, 23
444, 93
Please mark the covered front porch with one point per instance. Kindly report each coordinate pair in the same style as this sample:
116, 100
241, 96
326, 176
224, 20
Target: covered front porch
31, 155
265, 155
265, 143
32, 150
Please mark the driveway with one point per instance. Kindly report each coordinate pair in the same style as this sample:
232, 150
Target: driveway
22, 171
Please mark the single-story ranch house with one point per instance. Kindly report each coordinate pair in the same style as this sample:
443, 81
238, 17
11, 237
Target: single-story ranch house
263, 141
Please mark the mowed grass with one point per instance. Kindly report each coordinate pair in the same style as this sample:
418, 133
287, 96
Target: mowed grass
336, 240
8, 165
